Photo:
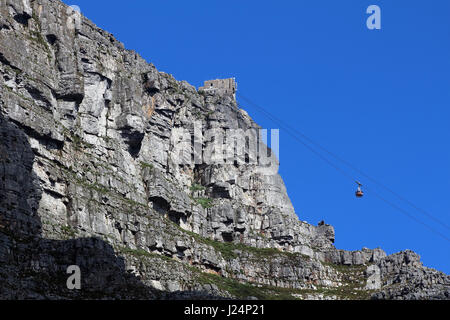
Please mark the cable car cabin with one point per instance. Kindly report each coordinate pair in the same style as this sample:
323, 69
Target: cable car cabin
359, 192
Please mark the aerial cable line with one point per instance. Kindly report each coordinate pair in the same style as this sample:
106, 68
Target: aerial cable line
311, 149
289, 129
348, 164
408, 214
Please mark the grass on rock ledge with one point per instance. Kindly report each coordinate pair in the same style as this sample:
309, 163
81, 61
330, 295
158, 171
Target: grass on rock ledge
230, 250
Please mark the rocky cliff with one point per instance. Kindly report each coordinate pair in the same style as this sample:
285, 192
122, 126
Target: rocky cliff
89, 177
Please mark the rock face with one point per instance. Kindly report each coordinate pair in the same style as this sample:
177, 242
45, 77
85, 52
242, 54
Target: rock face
89, 176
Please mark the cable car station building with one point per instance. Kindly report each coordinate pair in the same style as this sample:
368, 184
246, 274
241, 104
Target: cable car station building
224, 86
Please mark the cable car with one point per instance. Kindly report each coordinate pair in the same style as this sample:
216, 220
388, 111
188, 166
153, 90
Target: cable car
359, 193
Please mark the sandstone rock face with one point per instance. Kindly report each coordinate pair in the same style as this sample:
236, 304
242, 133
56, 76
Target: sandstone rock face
89, 176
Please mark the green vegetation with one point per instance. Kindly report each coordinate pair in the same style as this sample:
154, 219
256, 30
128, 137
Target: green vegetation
128, 204
78, 143
134, 203
230, 250
16, 71
146, 165
204, 202
245, 290
18, 94
197, 187
352, 276
97, 187
68, 231
346, 269
235, 288
198, 115
37, 36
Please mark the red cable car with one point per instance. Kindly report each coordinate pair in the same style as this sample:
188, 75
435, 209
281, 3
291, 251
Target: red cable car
359, 193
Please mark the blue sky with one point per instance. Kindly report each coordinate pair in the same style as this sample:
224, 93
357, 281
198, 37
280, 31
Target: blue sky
377, 98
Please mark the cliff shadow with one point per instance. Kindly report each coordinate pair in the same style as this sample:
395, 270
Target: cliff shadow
33, 267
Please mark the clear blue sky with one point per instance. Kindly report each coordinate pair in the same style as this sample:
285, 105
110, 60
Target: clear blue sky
379, 99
